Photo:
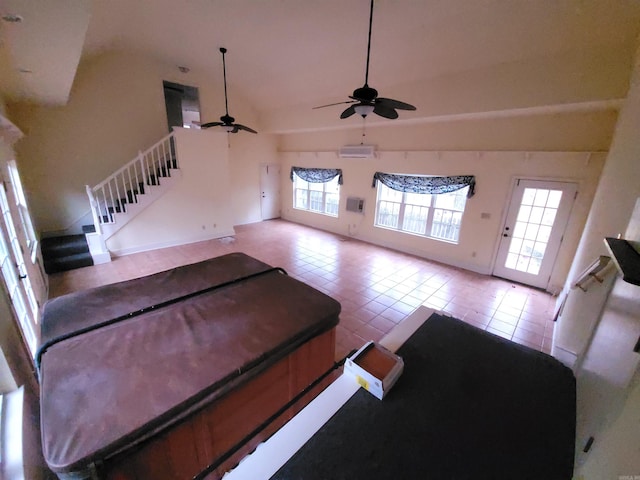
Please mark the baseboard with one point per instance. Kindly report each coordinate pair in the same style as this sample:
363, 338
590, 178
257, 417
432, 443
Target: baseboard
155, 246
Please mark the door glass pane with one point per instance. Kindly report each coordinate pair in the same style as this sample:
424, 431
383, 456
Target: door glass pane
531, 232
536, 215
540, 199
544, 233
528, 196
524, 213
554, 199
515, 245
549, 216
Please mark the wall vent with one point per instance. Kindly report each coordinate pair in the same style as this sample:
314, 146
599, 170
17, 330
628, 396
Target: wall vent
355, 204
357, 151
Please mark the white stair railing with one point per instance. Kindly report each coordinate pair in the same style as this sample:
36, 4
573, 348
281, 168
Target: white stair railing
135, 178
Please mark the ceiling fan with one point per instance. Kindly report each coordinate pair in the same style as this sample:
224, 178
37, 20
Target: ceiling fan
365, 99
227, 121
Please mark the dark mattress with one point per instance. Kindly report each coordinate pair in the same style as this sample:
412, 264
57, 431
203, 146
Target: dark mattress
469, 405
213, 326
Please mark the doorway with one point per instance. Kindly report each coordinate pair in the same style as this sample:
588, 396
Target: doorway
532, 233
270, 191
182, 104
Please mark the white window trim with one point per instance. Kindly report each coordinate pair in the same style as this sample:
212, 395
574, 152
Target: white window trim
428, 223
324, 197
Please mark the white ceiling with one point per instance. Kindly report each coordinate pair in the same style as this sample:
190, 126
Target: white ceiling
284, 53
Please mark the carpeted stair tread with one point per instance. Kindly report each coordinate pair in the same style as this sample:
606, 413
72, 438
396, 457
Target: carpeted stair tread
65, 245
69, 262
65, 253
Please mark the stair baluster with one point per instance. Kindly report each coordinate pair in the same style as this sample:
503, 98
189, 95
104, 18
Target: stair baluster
125, 185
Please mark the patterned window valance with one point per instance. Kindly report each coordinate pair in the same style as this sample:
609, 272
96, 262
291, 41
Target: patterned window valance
432, 185
317, 175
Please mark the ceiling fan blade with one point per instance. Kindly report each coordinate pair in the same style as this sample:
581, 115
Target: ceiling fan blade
332, 104
391, 103
211, 124
348, 112
384, 111
243, 127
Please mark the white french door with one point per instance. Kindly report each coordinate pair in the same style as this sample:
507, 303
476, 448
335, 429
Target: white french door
14, 274
533, 230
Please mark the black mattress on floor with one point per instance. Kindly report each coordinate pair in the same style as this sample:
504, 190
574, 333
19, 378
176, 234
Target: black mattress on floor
469, 405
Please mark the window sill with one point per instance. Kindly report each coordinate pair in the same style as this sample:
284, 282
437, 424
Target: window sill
420, 235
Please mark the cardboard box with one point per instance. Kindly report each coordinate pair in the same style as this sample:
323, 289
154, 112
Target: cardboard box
375, 368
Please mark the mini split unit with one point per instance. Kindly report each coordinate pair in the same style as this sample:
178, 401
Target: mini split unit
357, 151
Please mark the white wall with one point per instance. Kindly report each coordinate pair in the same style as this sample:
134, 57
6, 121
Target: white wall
495, 173
616, 450
195, 208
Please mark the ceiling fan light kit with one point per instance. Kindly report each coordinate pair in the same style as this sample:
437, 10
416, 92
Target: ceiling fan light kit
227, 121
363, 110
365, 99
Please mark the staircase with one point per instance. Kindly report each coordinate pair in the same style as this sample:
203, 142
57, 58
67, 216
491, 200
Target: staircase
124, 194
114, 202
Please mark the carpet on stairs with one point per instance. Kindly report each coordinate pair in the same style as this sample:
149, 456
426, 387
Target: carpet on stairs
65, 253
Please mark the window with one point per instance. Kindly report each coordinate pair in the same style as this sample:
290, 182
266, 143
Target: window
23, 211
322, 197
431, 215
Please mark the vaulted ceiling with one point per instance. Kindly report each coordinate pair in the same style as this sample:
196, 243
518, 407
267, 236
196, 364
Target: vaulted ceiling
289, 55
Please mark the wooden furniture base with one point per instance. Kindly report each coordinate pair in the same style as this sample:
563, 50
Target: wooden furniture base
189, 447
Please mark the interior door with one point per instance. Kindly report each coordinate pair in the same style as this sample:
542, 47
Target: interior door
533, 230
270, 191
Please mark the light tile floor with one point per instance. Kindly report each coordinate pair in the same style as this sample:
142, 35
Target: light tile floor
377, 287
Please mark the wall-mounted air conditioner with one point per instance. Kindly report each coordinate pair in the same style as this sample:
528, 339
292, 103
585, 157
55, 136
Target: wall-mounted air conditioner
355, 204
357, 151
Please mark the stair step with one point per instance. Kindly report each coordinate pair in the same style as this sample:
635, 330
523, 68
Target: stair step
88, 229
63, 246
68, 262
65, 253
